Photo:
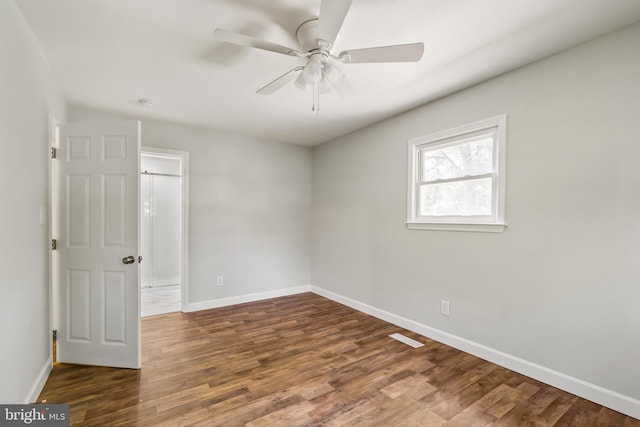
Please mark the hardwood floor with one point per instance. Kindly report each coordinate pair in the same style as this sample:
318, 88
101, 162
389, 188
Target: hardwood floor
303, 360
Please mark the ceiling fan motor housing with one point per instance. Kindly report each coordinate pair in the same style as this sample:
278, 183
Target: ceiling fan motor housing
307, 35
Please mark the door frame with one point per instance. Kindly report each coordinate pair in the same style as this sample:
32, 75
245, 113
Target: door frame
54, 227
183, 156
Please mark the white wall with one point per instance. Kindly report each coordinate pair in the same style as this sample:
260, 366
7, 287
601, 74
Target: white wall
249, 208
27, 95
561, 286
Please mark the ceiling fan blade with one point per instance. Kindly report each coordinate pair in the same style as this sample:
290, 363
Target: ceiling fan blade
332, 14
243, 40
397, 53
281, 81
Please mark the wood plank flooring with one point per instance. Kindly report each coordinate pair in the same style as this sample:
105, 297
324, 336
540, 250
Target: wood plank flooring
303, 360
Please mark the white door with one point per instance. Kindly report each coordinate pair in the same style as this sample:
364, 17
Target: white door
98, 244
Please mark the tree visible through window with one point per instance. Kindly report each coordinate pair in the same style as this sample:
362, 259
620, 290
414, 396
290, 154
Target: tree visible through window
456, 177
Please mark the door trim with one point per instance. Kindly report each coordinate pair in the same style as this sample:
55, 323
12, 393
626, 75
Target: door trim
53, 227
184, 240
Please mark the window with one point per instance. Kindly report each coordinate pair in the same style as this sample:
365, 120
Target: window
456, 178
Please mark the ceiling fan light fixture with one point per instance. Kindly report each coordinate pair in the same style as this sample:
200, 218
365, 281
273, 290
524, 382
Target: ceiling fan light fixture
313, 71
301, 83
332, 74
321, 73
322, 85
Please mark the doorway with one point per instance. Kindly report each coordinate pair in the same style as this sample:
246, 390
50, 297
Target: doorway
163, 195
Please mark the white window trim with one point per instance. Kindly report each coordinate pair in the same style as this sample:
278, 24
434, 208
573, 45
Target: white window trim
457, 223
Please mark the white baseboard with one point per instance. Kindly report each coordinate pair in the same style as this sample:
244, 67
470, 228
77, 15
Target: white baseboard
602, 396
38, 385
241, 299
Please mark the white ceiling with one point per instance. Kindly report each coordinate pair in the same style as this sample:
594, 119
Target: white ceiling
107, 54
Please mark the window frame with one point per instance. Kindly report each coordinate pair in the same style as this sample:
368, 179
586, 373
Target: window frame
495, 126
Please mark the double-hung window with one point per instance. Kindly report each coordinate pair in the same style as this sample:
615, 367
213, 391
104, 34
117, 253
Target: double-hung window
457, 178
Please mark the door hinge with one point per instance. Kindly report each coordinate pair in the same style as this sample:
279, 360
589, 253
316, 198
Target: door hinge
54, 153
54, 244
54, 335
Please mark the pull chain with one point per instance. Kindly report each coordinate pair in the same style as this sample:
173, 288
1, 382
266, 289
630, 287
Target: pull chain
316, 99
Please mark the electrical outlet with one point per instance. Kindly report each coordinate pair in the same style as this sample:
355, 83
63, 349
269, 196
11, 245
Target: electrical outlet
220, 280
445, 307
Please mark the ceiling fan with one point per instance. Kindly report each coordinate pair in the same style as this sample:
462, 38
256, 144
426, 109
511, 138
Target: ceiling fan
316, 38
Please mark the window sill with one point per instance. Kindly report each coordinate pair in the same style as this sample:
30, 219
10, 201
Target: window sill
483, 228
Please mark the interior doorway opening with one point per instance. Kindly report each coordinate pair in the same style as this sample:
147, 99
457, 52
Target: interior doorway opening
163, 195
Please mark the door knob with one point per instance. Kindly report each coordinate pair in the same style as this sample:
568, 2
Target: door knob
128, 259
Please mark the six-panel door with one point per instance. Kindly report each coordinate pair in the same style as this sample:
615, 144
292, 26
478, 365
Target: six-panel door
99, 301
